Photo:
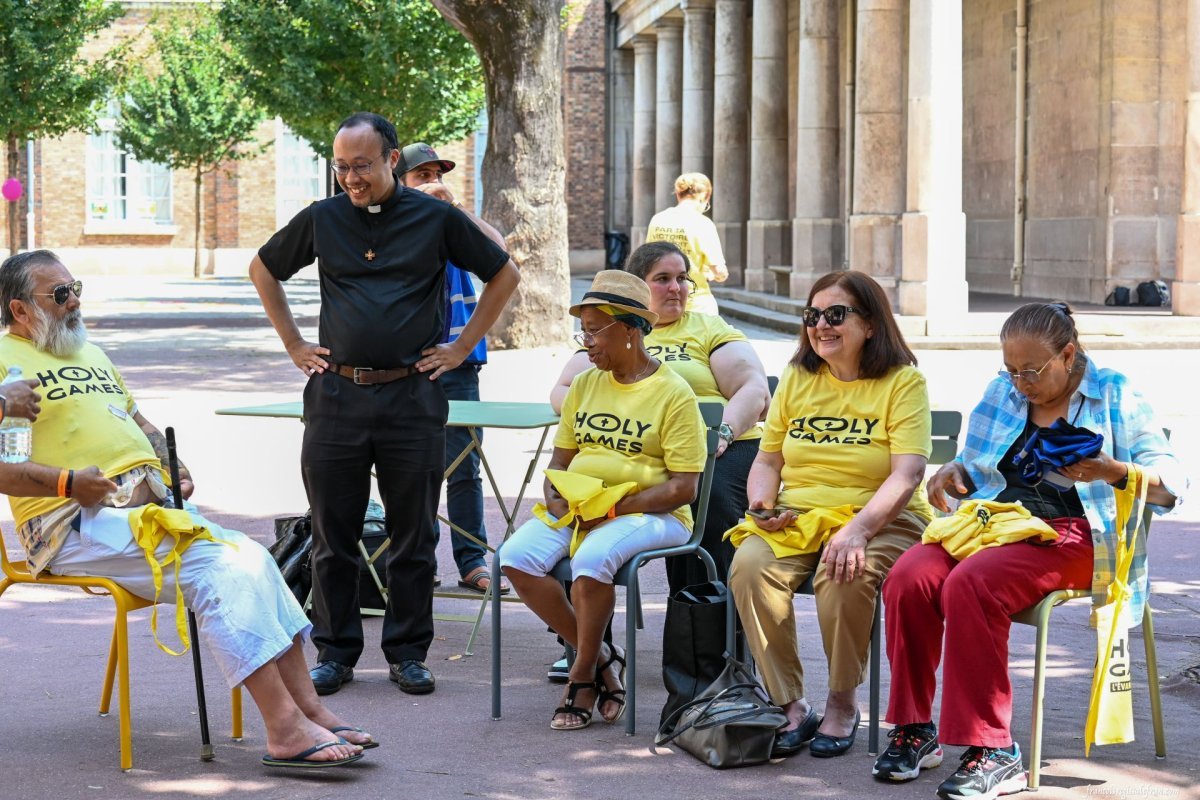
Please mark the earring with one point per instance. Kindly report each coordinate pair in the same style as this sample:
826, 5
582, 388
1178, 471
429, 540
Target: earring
629, 345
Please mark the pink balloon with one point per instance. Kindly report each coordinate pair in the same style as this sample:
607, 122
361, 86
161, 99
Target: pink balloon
12, 189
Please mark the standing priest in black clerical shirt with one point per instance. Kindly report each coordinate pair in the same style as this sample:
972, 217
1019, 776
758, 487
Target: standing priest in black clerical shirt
372, 397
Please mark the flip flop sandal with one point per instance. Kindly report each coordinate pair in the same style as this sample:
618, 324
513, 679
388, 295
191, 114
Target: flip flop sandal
476, 578
569, 707
301, 761
616, 695
368, 745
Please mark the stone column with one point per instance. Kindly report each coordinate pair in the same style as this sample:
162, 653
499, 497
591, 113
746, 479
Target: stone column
620, 166
768, 240
669, 119
817, 227
933, 280
1185, 289
878, 141
730, 155
697, 86
644, 112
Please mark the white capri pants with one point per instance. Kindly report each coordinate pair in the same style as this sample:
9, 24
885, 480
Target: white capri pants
536, 548
244, 610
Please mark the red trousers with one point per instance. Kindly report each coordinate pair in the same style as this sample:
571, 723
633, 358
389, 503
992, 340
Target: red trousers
928, 593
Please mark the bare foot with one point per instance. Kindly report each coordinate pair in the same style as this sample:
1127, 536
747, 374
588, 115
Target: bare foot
796, 712
585, 700
328, 720
308, 734
839, 719
610, 709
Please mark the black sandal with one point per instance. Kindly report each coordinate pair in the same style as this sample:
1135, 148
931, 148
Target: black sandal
616, 695
569, 707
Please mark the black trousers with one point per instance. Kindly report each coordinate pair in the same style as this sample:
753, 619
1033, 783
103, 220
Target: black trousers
399, 428
726, 507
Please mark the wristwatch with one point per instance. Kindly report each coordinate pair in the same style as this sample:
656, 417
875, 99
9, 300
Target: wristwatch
726, 433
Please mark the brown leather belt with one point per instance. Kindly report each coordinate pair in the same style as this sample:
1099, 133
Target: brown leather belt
367, 375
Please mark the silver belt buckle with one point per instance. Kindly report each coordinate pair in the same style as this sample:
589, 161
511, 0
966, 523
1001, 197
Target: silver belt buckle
358, 371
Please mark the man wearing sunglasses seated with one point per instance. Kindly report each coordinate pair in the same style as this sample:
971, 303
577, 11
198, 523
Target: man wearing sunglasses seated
99, 470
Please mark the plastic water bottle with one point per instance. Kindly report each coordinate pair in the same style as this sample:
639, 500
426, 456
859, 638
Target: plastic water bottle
16, 433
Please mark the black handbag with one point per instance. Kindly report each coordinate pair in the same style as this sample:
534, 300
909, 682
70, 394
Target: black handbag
292, 550
732, 723
693, 643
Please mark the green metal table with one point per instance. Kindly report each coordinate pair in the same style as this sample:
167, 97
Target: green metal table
472, 415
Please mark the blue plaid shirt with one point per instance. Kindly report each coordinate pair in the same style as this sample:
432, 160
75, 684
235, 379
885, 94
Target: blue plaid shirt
1107, 405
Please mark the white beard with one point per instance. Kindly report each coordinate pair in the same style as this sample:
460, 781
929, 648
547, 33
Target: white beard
60, 337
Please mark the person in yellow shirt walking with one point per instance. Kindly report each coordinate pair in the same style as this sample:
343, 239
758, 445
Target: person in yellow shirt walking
685, 226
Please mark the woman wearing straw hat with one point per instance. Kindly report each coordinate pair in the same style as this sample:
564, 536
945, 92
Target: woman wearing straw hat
626, 420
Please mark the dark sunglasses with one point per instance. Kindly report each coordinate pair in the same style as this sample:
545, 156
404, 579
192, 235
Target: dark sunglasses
834, 315
62, 293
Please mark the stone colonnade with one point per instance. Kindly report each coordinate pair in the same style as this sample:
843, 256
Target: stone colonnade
710, 94
1185, 292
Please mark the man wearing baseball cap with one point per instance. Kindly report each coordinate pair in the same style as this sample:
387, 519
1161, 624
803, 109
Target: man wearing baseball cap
421, 169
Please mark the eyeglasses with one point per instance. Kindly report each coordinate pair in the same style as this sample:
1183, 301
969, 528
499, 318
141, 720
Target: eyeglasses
342, 170
834, 315
585, 339
1027, 375
62, 293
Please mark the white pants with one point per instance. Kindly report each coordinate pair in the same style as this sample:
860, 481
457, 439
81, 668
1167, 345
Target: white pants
536, 548
244, 610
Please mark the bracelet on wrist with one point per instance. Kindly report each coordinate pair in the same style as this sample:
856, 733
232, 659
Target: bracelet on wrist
62, 483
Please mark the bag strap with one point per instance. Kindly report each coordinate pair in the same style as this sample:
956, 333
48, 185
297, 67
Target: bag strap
705, 714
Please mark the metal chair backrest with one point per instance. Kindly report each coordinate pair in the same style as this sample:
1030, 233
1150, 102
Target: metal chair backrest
944, 433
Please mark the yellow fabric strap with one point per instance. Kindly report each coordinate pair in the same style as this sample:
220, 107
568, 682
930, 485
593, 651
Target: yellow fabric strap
150, 524
587, 498
979, 524
1131, 502
807, 533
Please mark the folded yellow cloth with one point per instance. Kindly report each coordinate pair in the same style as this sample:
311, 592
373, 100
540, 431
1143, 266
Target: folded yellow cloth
807, 533
587, 498
978, 524
150, 525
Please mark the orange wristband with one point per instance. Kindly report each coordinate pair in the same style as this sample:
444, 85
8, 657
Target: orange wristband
612, 513
62, 483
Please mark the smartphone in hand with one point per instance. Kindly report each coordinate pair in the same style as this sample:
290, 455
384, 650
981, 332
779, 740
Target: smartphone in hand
763, 513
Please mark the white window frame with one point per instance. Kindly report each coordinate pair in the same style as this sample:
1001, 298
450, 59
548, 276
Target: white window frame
126, 189
292, 156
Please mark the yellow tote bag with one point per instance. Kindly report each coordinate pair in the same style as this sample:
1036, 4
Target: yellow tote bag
1110, 712
587, 498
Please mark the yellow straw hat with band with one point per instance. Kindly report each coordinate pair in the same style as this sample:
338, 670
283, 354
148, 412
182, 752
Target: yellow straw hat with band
618, 293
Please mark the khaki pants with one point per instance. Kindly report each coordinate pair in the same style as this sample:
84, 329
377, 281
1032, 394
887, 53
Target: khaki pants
763, 586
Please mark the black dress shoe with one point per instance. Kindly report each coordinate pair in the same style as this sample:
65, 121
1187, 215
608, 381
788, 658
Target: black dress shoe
328, 676
788, 743
412, 676
826, 746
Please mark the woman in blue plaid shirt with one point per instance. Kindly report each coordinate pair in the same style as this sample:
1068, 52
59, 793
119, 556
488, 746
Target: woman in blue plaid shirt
1046, 377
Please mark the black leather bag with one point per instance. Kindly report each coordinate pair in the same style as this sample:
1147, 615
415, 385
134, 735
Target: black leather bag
292, 551
693, 643
732, 723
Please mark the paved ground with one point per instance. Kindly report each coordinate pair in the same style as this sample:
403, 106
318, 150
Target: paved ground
188, 348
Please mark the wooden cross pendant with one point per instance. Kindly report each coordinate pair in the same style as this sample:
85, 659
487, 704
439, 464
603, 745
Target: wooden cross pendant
370, 255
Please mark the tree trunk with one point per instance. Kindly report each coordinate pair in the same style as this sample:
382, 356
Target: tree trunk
520, 45
14, 230
199, 218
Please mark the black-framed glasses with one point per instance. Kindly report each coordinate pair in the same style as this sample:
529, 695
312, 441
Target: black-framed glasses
585, 339
1027, 375
62, 292
342, 170
834, 315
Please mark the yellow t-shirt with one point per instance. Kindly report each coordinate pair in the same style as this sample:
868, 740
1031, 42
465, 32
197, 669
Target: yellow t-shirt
86, 418
686, 346
696, 235
838, 437
633, 432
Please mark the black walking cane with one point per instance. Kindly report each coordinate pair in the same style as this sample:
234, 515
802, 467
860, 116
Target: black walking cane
206, 748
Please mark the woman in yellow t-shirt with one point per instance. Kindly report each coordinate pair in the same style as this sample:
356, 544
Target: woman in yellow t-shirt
626, 420
685, 226
845, 446
720, 365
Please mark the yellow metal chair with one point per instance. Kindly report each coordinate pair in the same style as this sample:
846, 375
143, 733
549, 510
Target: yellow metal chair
118, 653
1039, 616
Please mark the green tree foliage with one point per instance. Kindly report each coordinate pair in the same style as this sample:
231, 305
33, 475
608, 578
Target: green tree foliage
315, 62
186, 108
47, 87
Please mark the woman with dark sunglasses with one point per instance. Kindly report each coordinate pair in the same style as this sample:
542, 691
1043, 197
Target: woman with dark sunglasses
831, 496
932, 597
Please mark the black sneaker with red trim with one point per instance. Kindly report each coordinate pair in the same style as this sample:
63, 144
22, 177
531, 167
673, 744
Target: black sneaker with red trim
985, 774
913, 747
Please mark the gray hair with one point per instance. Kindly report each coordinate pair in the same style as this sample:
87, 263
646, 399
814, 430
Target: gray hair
16, 279
1051, 324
